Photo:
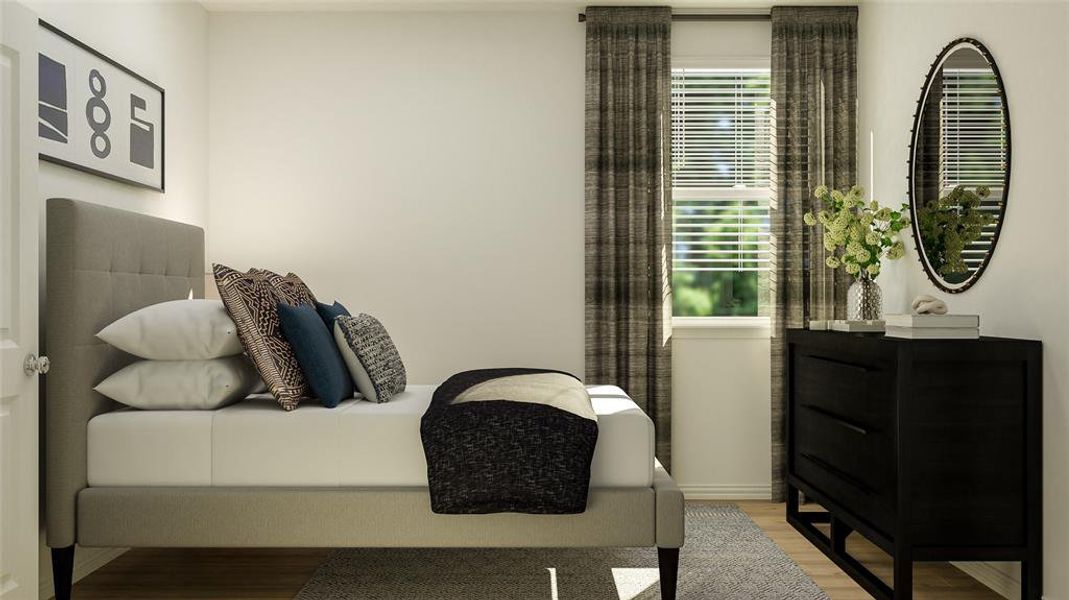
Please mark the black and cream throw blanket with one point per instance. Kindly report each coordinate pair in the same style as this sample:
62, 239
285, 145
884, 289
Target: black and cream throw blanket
509, 440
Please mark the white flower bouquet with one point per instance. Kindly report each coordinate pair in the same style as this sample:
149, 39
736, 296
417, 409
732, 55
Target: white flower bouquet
857, 235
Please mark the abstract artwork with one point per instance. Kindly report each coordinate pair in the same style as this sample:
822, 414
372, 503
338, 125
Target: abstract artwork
96, 115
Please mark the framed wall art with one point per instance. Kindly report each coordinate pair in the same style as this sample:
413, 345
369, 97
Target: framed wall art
96, 115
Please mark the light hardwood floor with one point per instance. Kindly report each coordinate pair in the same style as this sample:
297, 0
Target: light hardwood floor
932, 581
279, 574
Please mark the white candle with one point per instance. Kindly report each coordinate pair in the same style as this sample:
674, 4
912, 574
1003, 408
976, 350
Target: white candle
872, 164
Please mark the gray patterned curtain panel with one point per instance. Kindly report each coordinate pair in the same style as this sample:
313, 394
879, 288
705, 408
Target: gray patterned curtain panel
814, 94
629, 207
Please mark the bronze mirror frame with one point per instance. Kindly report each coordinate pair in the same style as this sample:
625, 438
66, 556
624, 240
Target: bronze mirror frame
917, 116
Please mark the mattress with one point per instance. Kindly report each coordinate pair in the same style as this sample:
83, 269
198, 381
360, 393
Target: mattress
358, 444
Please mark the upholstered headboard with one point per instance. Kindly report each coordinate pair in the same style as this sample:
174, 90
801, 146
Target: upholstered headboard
102, 263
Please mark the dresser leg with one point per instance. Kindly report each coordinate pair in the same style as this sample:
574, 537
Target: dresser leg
792, 500
903, 576
839, 532
1031, 579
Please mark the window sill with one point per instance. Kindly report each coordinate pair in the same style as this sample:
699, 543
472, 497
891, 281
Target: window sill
721, 328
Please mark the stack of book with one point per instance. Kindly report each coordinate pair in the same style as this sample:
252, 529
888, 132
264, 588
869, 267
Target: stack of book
856, 326
933, 327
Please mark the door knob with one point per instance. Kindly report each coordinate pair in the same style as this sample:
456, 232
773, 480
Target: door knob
36, 364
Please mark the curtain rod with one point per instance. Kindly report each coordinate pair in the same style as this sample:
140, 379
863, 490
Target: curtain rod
711, 17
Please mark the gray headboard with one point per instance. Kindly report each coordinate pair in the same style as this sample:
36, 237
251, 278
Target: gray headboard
102, 263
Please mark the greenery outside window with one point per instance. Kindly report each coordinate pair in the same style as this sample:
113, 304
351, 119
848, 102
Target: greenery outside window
721, 157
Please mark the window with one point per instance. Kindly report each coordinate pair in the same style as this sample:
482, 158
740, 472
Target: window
721, 127
973, 145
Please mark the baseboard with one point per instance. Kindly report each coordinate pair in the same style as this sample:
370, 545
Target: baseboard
727, 491
86, 560
999, 581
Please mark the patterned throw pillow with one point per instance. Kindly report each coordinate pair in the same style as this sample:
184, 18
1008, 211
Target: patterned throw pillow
371, 356
252, 302
289, 289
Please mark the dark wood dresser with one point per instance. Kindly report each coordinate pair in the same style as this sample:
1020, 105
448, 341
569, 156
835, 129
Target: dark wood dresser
931, 449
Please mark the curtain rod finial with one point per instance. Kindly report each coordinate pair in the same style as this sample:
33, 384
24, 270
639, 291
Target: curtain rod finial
582, 17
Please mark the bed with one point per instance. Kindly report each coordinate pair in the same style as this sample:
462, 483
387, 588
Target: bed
226, 484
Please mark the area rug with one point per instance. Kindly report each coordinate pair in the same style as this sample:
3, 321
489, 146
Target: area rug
726, 557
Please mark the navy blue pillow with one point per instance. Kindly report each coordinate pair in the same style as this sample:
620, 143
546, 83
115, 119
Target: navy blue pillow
328, 313
317, 353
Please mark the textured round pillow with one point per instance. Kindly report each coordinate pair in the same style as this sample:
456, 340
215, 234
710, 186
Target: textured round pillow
371, 356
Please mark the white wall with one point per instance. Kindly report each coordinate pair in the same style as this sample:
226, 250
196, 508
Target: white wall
166, 42
721, 413
423, 167
1023, 292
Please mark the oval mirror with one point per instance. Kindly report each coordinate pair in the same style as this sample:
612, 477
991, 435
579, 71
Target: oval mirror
959, 165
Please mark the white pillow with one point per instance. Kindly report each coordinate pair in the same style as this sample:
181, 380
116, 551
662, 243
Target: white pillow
176, 330
182, 384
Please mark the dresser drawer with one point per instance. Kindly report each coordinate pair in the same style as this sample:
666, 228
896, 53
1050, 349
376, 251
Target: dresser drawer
842, 439
861, 457
863, 503
857, 392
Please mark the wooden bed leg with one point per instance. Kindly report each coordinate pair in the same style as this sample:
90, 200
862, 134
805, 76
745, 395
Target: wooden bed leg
668, 563
63, 571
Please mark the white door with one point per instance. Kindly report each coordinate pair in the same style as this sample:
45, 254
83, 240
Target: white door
19, 207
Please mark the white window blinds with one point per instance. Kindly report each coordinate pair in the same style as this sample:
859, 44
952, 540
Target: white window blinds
973, 144
720, 176
973, 141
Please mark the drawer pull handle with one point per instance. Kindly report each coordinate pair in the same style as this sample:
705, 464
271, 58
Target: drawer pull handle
841, 421
838, 473
837, 363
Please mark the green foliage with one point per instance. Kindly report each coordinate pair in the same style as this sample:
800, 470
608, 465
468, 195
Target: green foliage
948, 225
857, 235
718, 257
717, 293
